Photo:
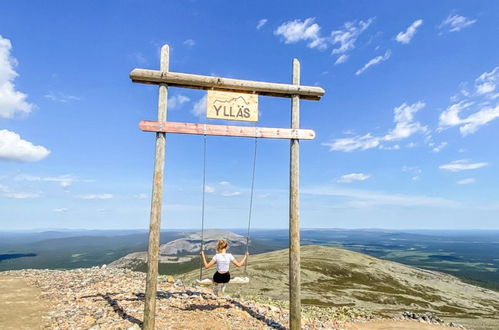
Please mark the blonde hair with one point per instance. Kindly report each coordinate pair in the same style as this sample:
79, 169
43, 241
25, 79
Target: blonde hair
222, 244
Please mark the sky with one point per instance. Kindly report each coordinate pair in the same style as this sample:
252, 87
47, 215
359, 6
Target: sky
406, 131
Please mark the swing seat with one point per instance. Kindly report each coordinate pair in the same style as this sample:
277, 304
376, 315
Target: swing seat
235, 280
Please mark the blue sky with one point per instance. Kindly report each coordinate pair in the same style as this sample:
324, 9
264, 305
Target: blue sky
406, 132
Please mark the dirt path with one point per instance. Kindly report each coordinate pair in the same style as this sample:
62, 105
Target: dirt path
20, 304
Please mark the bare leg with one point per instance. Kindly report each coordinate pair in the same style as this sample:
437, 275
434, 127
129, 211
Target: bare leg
215, 289
223, 288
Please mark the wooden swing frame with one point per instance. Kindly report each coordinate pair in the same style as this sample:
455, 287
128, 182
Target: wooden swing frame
295, 91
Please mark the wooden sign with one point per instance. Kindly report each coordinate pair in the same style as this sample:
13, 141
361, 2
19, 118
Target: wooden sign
232, 106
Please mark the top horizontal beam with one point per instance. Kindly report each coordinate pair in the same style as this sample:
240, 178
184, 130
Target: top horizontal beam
195, 81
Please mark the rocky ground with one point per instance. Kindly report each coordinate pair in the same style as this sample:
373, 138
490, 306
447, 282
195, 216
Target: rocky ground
107, 298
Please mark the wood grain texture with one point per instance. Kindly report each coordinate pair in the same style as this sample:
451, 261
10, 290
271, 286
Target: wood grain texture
195, 81
156, 202
294, 211
226, 130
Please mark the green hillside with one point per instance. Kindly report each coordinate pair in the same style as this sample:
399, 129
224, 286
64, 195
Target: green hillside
337, 277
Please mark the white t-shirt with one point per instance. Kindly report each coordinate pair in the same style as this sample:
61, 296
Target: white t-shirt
223, 261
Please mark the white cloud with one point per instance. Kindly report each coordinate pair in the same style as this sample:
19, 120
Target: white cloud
374, 61
94, 196
189, 42
462, 165
61, 97
470, 124
231, 193
455, 23
482, 103
347, 178
342, 59
209, 189
486, 83
405, 126
64, 180
364, 198
439, 147
414, 171
12, 147
347, 36
12, 102
466, 181
141, 196
60, 210
176, 101
354, 143
261, 23
21, 195
405, 37
199, 109
306, 30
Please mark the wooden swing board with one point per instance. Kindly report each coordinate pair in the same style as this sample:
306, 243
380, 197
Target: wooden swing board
226, 130
235, 280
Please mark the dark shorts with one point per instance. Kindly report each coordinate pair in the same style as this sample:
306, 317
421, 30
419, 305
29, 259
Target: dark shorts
221, 278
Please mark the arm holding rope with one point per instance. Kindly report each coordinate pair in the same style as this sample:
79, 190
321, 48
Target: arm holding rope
206, 264
242, 262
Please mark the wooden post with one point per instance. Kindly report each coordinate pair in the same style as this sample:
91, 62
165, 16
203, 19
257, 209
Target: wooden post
156, 203
294, 211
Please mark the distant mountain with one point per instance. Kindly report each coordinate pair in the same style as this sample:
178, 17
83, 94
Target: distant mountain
185, 249
336, 277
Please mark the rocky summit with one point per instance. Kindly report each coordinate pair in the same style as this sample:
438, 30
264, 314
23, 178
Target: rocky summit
184, 249
112, 298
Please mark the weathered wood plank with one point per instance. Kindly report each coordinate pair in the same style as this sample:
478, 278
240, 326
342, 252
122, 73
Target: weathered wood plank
294, 212
226, 130
195, 81
156, 203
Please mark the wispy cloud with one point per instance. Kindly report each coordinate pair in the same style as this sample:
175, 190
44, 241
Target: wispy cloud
64, 180
341, 59
462, 165
483, 100
21, 195
405, 126
94, 196
437, 148
61, 97
375, 61
141, 196
466, 181
176, 101
223, 188
261, 23
365, 198
12, 102
347, 178
455, 23
405, 37
346, 37
414, 171
60, 210
189, 42
14, 148
199, 108
298, 30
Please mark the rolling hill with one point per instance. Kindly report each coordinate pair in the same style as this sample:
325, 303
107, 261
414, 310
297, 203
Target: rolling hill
337, 277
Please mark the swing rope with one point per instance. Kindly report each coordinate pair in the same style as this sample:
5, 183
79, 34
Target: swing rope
203, 204
202, 207
250, 205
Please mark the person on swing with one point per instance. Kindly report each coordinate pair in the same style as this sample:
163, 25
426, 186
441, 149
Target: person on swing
223, 260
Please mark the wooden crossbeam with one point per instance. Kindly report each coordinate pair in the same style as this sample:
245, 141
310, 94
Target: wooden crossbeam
226, 130
195, 81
